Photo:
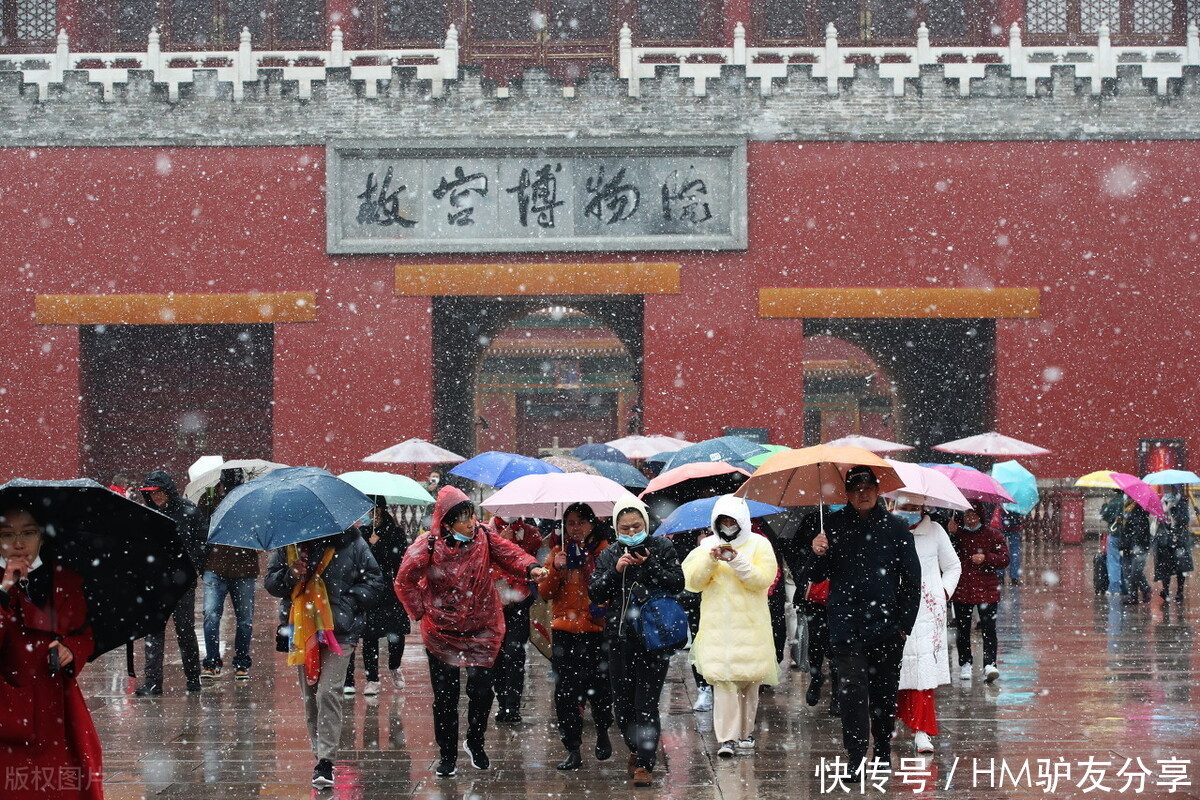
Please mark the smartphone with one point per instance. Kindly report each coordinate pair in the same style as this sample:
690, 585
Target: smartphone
54, 661
574, 555
641, 551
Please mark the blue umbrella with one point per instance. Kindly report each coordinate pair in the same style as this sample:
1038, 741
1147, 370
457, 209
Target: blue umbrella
599, 452
1172, 477
698, 514
495, 468
625, 474
1020, 483
730, 449
285, 507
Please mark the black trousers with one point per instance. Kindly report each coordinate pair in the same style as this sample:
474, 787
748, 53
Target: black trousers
581, 676
184, 617
868, 682
637, 682
446, 681
509, 671
370, 656
818, 640
987, 630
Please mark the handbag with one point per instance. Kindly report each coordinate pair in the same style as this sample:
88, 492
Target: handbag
818, 592
661, 622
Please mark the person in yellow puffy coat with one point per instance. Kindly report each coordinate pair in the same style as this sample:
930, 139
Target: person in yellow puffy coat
734, 649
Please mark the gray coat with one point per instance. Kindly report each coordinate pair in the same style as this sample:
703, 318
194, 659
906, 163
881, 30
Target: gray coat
353, 579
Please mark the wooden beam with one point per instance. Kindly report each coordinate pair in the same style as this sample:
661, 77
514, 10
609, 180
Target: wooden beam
175, 309
433, 280
891, 303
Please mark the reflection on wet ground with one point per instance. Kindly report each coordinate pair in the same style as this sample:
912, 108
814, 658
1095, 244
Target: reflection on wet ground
1092, 696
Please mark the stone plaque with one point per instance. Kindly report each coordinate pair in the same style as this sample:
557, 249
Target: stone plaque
493, 196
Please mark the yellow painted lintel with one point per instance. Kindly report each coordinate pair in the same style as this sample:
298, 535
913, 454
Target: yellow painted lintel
893, 303
175, 309
432, 280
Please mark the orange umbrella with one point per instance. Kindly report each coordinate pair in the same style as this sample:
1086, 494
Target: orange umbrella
814, 475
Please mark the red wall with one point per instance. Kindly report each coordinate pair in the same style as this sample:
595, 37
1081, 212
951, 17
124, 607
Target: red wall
1108, 231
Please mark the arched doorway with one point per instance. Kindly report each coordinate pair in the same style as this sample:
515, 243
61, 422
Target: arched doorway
941, 373
514, 374
847, 393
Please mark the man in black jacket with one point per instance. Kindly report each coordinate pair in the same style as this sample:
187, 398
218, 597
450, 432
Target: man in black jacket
160, 493
870, 559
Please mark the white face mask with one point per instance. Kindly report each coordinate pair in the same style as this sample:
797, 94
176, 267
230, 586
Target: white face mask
729, 532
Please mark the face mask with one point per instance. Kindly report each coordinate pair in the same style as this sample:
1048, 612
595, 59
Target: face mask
633, 540
837, 507
458, 537
729, 532
973, 528
910, 518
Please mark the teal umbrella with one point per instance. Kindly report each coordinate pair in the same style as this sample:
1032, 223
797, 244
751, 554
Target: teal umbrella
396, 489
1020, 483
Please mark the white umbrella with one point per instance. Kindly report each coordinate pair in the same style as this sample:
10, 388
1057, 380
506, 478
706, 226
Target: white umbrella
869, 443
991, 444
414, 451
646, 446
251, 467
203, 464
937, 489
397, 489
547, 495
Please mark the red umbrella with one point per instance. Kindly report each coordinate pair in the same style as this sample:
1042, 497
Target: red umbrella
1142, 493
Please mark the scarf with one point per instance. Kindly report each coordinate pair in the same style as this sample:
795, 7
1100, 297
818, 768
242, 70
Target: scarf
311, 618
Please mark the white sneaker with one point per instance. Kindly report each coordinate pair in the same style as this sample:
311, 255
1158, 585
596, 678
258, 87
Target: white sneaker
964, 674
348, 691
704, 699
397, 679
372, 688
990, 673
727, 749
747, 743
922, 742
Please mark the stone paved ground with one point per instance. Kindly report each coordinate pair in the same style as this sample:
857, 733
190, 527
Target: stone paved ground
1082, 678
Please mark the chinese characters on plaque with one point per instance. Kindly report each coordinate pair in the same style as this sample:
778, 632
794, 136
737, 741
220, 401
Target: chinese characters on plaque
489, 197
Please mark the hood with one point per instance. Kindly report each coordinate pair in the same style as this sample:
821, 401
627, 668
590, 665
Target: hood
729, 506
162, 479
447, 498
630, 503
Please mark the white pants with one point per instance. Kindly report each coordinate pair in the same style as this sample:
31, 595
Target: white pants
735, 707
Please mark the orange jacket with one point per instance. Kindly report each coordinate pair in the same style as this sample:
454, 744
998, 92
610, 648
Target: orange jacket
567, 591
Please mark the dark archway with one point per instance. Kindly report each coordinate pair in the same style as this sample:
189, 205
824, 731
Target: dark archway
943, 370
463, 327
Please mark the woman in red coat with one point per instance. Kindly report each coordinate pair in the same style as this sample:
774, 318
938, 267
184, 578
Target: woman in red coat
48, 745
446, 582
983, 553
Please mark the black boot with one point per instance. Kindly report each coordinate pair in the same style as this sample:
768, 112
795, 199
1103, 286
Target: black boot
603, 745
572, 761
813, 695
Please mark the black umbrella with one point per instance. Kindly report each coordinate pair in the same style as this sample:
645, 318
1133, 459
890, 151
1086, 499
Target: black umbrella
130, 557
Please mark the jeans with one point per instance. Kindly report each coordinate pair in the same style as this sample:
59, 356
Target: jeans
869, 681
637, 682
1113, 561
987, 630
185, 633
1014, 554
241, 593
446, 681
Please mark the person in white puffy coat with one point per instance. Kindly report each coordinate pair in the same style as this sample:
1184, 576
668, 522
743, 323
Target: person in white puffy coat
926, 663
734, 649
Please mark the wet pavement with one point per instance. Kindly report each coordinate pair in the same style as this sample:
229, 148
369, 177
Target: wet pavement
1094, 699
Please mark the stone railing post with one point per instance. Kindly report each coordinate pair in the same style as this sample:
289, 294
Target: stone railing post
1016, 59
923, 54
1106, 65
1193, 44
154, 59
450, 71
833, 60
739, 44
62, 57
247, 70
337, 47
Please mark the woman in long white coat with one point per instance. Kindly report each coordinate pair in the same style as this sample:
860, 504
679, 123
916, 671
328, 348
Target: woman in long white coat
926, 663
734, 649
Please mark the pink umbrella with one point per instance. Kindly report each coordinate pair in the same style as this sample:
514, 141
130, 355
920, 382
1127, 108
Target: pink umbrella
696, 470
991, 444
869, 443
937, 489
1142, 493
546, 496
975, 485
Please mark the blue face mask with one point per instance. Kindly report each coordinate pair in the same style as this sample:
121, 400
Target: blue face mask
910, 518
837, 507
973, 528
633, 540
458, 537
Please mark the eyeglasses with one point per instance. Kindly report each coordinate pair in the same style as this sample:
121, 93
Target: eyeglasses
9, 537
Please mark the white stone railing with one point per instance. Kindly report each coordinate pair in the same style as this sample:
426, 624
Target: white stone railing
899, 64
240, 66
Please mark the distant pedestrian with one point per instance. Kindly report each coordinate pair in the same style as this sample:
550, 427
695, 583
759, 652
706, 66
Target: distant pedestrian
1134, 542
579, 649
517, 597
625, 574
1173, 545
811, 599
1111, 513
331, 583
1012, 525
159, 492
446, 583
732, 570
983, 553
874, 575
387, 620
926, 663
